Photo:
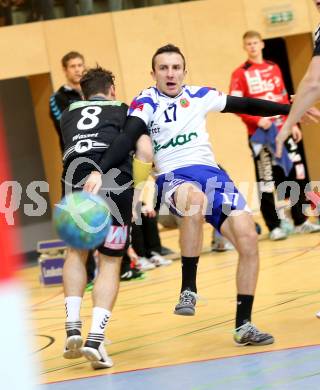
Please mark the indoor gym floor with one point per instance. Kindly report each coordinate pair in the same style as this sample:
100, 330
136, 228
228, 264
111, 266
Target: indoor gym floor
154, 349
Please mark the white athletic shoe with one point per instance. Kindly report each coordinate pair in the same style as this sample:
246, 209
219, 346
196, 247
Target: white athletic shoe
94, 351
158, 260
318, 314
287, 225
144, 264
222, 245
72, 348
277, 234
307, 227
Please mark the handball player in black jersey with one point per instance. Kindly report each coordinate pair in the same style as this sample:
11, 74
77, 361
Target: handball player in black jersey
88, 128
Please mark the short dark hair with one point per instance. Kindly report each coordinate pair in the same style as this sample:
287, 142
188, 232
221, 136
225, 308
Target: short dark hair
70, 56
169, 48
252, 34
96, 80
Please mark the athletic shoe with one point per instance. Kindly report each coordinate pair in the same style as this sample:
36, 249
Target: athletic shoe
248, 334
95, 352
307, 227
277, 234
132, 274
144, 264
72, 348
187, 303
318, 314
158, 260
222, 245
166, 251
287, 226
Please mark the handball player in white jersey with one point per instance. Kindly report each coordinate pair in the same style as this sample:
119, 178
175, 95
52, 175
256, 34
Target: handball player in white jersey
189, 180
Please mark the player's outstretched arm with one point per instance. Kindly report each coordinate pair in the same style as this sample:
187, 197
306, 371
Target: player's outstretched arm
120, 148
257, 107
308, 92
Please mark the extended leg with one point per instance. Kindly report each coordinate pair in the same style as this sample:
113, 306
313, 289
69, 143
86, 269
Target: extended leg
74, 282
190, 202
104, 295
240, 230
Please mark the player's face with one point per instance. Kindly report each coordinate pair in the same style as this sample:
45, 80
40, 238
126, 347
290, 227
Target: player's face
253, 47
169, 73
317, 3
74, 70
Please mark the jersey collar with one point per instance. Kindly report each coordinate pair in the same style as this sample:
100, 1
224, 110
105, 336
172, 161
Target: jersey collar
169, 97
97, 98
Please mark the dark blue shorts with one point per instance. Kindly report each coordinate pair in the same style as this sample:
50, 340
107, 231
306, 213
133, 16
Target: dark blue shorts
223, 197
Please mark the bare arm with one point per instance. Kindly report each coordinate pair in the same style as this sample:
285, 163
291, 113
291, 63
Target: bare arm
308, 92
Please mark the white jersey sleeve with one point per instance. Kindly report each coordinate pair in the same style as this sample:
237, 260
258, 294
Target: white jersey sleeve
143, 106
212, 99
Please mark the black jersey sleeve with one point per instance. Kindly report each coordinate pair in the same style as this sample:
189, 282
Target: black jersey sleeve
123, 144
257, 107
57, 105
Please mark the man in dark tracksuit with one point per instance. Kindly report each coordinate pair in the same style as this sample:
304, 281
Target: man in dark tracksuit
73, 66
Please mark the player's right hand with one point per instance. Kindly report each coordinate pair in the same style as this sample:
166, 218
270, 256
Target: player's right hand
265, 123
93, 183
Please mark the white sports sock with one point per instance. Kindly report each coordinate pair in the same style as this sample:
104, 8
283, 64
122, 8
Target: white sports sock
100, 318
73, 305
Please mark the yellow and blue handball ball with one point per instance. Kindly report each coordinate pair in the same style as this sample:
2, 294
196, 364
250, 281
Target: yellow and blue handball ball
82, 220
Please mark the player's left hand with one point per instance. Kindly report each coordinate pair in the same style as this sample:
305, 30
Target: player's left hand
93, 183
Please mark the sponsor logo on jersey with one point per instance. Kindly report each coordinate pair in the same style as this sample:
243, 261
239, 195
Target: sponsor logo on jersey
180, 140
184, 102
117, 237
83, 136
257, 84
154, 128
83, 146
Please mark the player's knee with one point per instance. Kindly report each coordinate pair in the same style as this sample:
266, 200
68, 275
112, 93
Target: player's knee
247, 242
196, 204
75, 255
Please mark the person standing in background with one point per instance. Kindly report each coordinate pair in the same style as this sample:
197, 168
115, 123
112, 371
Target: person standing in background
73, 65
259, 78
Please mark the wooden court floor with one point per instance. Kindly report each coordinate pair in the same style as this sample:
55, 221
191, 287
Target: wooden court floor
144, 333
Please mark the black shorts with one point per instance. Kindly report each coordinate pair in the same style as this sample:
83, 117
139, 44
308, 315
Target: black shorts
118, 194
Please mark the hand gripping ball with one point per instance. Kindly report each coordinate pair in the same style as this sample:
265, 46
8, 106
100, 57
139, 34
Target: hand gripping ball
82, 220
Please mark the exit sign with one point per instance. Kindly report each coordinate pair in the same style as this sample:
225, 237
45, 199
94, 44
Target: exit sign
280, 17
